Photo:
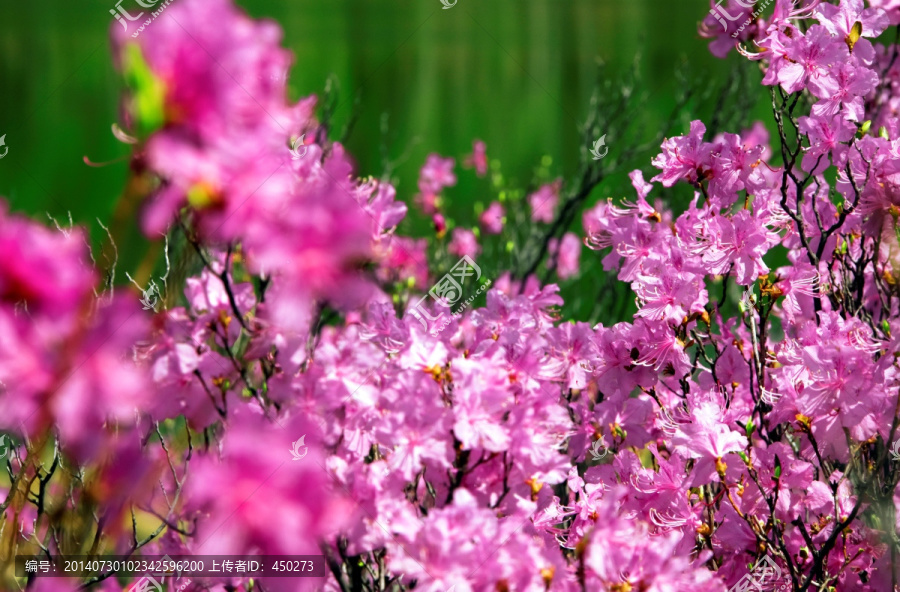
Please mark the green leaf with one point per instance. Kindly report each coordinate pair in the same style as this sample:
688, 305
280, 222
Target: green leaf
148, 92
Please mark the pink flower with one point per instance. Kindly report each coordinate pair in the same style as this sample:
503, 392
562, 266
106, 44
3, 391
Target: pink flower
257, 481
620, 551
440, 224
660, 349
734, 168
218, 130
740, 241
436, 175
671, 296
381, 204
811, 57
478, 158
890, 7
567, 253
108, 387
637, 181
843, 92
43, 270
464, 243
543, 202
757, 136
66, 357
480, 402
826, 137
684, 157
429, 203
725, 23
707, 437
839, 21
404, 259
466, 546
492, 218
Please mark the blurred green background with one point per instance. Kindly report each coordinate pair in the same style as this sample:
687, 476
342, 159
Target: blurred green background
516, 73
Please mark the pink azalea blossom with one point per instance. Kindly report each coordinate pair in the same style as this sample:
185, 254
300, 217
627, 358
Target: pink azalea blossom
567, 252
436, 175
464, 243
478, 158
492, 219
543, 202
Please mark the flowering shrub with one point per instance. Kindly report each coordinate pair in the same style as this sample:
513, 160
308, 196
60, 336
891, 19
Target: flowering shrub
743, 417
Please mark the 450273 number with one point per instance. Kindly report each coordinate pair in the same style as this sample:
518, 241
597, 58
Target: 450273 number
292, 566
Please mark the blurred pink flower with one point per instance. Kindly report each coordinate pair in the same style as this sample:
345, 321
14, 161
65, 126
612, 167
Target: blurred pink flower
464, 243
404, 259
567, 252
436, 175
440, 224
492, 218
259, 497
478, 158
543, 202
43, 270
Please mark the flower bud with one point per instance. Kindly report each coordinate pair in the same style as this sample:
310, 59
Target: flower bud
721, 467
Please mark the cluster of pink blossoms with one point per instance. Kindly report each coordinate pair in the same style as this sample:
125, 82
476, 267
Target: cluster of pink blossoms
744, 416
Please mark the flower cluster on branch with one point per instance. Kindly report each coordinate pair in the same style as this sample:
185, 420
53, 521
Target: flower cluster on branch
746, 412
